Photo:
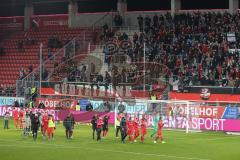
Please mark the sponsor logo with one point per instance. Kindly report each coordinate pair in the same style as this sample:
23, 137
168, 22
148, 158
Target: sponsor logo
205, 94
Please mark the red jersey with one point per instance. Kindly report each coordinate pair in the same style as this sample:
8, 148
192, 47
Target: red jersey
130, 125
15, 114
45, 121
99, 123
135, 125
143, 126
21, 113
143, 123
160, 125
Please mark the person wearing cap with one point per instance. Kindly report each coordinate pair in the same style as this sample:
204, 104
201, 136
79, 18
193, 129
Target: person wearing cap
35, 126
99, 128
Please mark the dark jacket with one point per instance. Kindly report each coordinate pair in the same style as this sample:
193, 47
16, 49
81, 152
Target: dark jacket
68, 122
94, 122
35, 123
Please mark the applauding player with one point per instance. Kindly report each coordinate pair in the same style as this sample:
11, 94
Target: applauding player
143, 124
130, 129
136, 131
105, 125
159, 131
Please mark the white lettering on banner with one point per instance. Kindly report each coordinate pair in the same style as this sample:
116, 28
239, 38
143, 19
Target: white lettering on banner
55, 23
196, 110
76, 90
3, 110
194, 123
72, 89
181, 122
10, 100
57, 103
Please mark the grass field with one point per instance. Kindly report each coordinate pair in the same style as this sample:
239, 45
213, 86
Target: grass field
193, 146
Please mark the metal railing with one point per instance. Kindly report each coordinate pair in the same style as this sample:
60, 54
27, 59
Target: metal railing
48, 66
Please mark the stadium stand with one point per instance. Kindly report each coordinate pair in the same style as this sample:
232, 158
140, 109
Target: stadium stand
194, 46
22, 50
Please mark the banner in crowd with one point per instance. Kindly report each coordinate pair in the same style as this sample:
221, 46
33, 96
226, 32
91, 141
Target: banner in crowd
86, 91
57, 103
51, 20
100, 105
9, 101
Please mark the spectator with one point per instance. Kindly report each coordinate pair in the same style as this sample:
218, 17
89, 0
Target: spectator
140, 23
6, 118
118, 19
30, 69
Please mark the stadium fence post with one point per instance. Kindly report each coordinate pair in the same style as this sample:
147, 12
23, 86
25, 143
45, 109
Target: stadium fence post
187, 120
115, 112
40, 70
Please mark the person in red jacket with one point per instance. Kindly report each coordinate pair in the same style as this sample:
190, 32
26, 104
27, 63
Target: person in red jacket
99, 128
130, 129
136, 131
15, 117
143, 124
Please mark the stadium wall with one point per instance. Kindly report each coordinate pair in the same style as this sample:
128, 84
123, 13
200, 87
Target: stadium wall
129, 18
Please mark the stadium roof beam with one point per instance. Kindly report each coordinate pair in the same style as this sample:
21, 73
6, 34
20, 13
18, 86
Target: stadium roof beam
175, 6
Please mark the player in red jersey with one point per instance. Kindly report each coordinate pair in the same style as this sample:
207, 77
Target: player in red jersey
99, 128
159, 131
136, 131
143, 124
44, 124
21, 120
130, 129
15, 117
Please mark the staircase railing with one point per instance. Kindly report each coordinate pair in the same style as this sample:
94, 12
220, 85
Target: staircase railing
102, 21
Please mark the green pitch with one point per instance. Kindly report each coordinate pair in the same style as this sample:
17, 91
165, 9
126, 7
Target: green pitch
179, 146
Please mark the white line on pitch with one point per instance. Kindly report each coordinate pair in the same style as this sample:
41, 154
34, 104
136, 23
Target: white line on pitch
104, 150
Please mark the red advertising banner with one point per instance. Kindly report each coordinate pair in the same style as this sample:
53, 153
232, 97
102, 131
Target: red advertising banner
57, 103
197, 97
197, 111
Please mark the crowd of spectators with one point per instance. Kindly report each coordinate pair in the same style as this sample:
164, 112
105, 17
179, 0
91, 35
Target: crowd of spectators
193, 46
7, 90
